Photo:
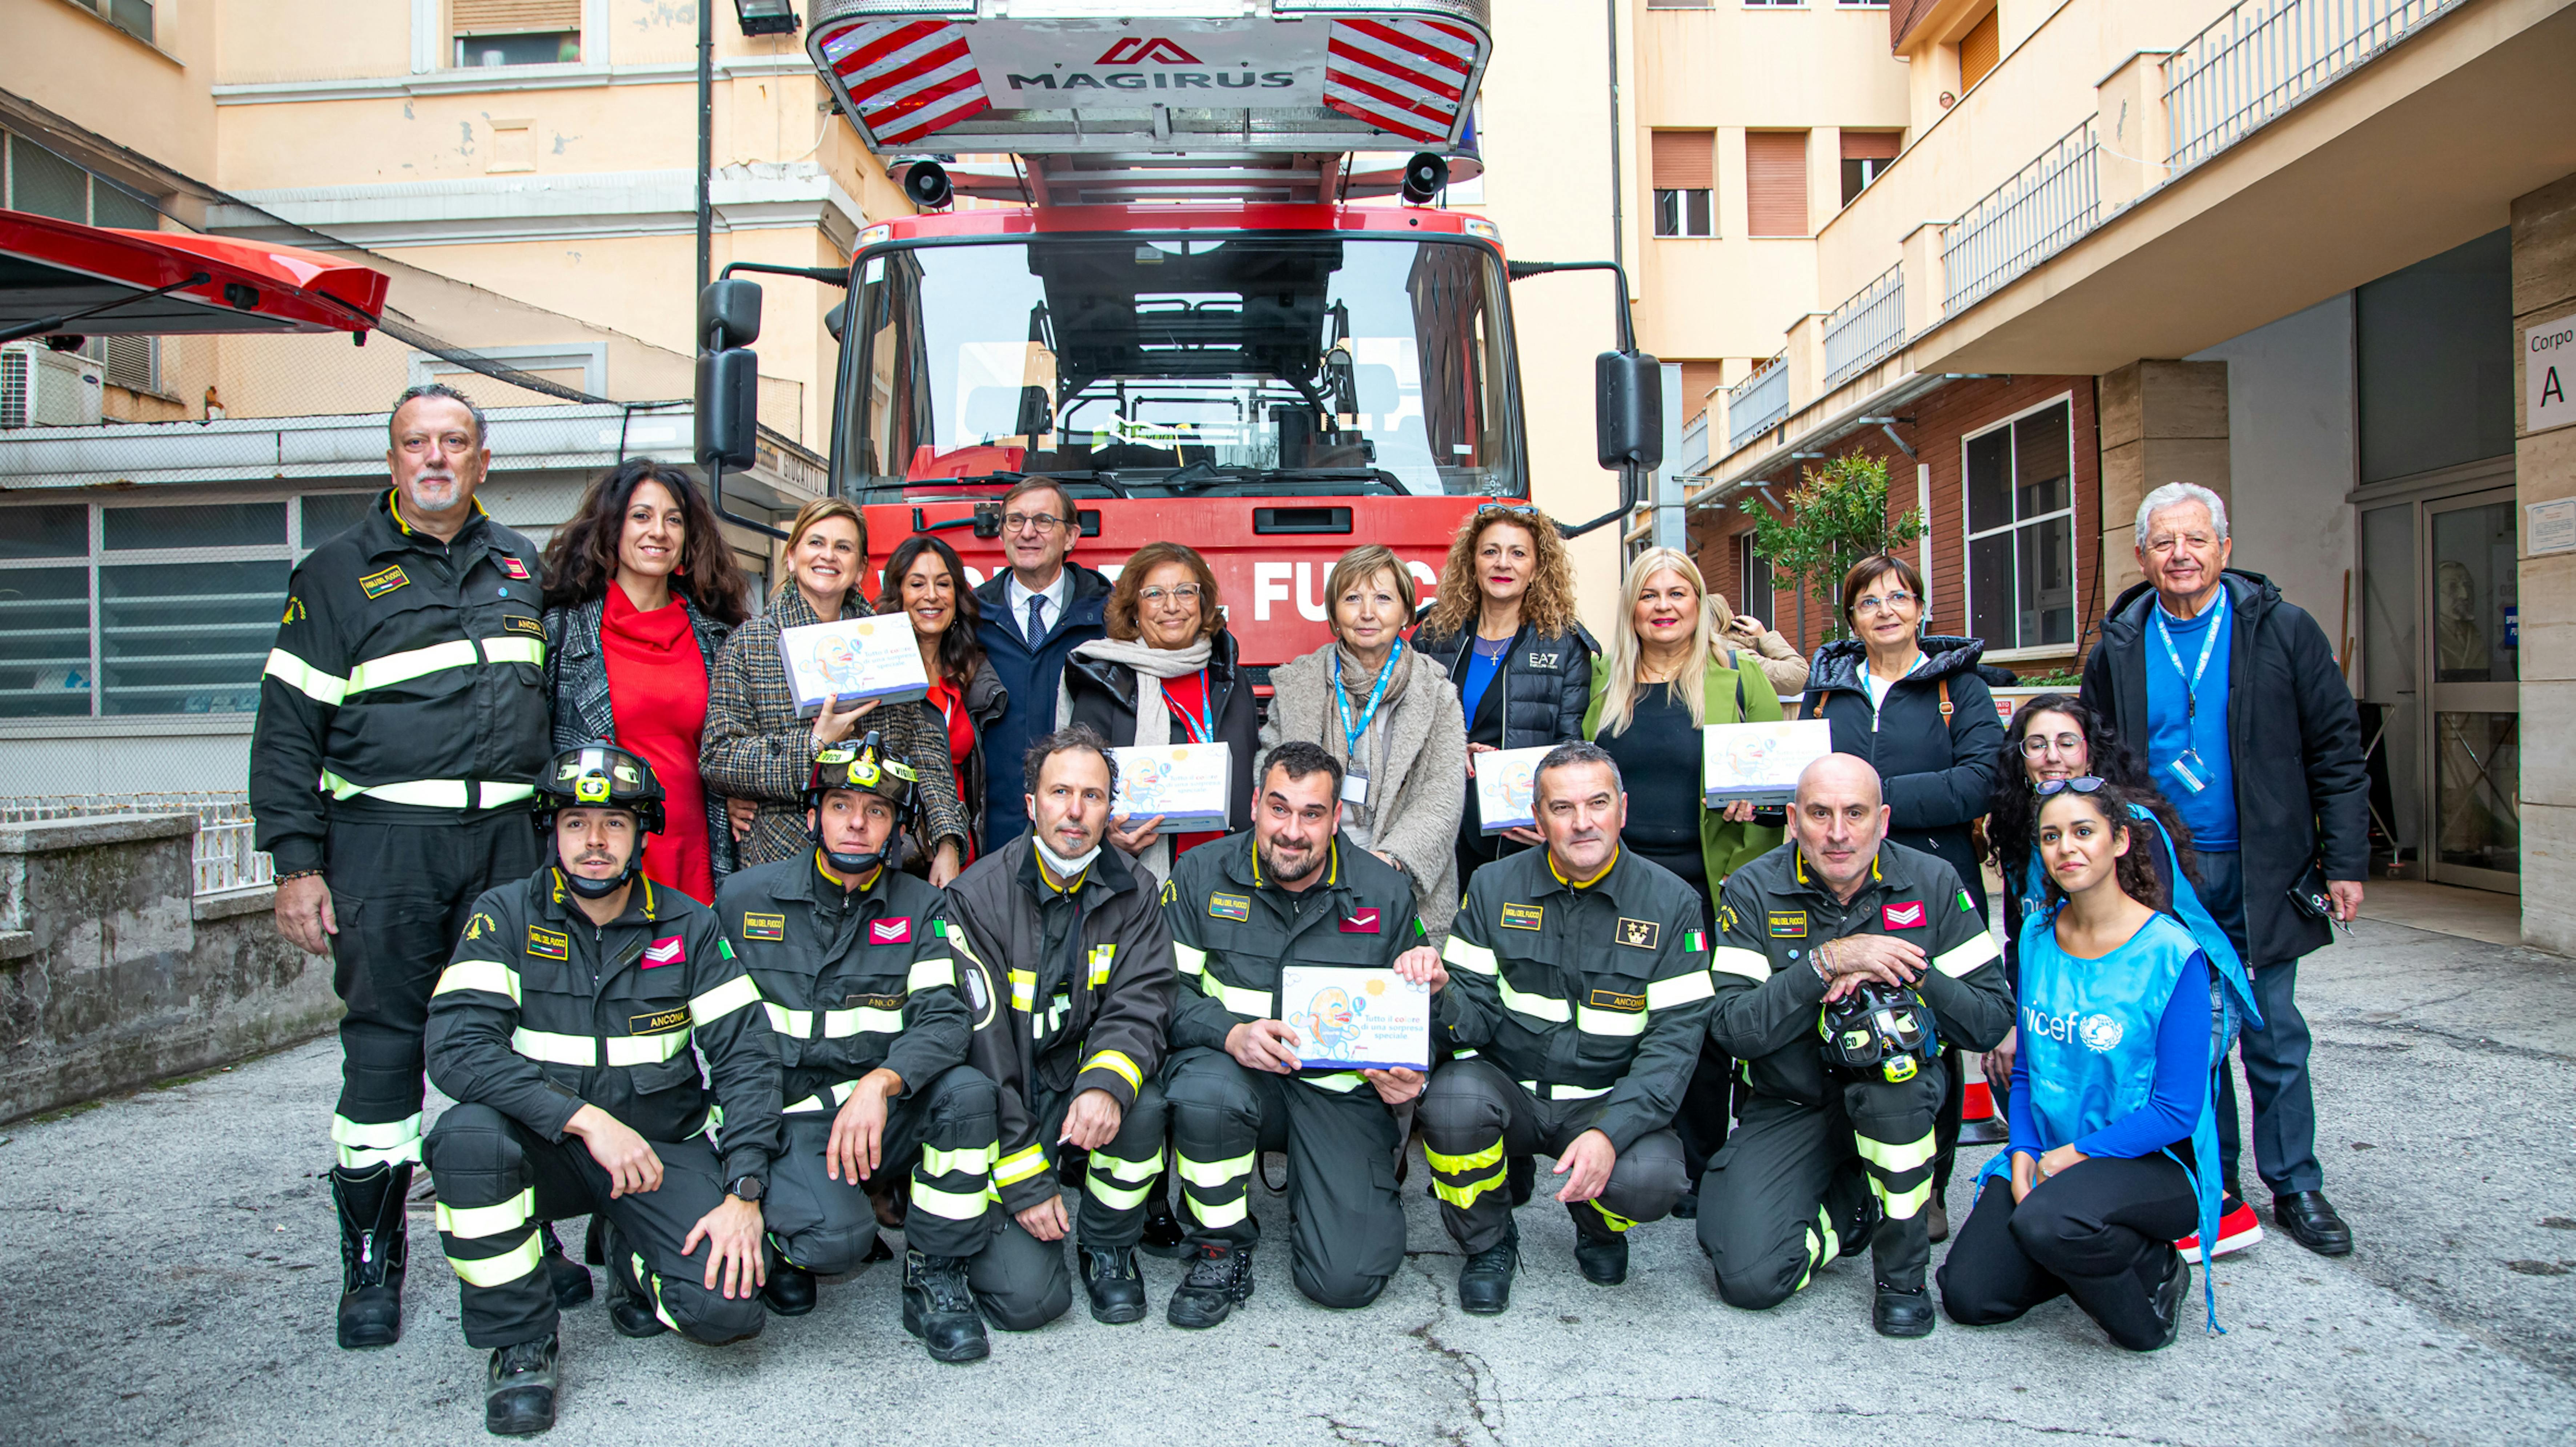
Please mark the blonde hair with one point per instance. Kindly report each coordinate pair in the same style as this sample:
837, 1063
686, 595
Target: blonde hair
1358, 566
1619, 681
1547, 605
820, 510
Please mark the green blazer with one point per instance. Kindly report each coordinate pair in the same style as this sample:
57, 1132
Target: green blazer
1724, 846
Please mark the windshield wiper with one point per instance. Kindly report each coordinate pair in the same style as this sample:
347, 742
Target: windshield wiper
1201, 475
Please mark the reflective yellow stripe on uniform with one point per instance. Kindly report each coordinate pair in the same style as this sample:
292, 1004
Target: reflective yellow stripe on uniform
1547, 1091
861, 1020
1465, 1196
1894, 1159
555, 1049
1213, 1175
1679, 990
1609, 1022
794, 1024
839, 1093
412, 663
1537, 1007
1024, 991
503, 1269
1460, 1165
1341, 1082
953, 1205
1122, 1184
1736, 960
365, 1143
1117, 1062
515, 649
724, 999
1250, 1004
1467, 956
1189, 959
432, 793
1019, 1165
323, 688
1101, 958
487, 1220
628, 1050
973, 1160
1960, 958
490, 976
931, 973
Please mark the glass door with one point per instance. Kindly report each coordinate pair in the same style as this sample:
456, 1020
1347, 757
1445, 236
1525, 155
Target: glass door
2469, 652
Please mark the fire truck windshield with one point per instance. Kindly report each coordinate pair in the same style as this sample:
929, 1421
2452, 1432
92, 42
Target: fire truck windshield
1184, 365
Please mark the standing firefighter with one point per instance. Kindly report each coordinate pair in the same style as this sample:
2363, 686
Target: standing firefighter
1074, 952
564, 1029
1285, 893
855, 969
1844, 962
402, 722
1576, 990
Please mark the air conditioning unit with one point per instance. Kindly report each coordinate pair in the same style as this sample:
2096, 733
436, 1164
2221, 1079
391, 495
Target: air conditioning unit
40, 387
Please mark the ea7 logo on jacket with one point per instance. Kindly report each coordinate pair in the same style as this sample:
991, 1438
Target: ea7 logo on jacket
1542, 662
1902, 916
664, 952
1361, 922
890, 931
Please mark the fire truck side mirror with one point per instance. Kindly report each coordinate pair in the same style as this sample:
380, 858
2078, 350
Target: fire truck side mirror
728, 408
1628, 409
729, 315
837, 320
1037, 412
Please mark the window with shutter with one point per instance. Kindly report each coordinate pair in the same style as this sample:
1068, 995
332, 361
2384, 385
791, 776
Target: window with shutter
1685, 170
516, 32
1865, 154
1775, 182
1978, 51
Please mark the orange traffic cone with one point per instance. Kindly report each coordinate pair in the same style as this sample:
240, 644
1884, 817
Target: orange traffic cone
1980, 1124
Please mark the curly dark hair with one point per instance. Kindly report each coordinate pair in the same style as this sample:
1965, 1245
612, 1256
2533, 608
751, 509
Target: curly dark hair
581, 559
2013, 821
959, 653
2135, 870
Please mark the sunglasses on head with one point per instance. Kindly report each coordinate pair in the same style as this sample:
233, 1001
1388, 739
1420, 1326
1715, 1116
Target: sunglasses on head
2087, 784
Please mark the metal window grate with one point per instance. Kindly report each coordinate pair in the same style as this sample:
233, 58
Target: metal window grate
2265, 56
133, 363
1756, 404
13, 388
1866, 328
224, 857
2024, 221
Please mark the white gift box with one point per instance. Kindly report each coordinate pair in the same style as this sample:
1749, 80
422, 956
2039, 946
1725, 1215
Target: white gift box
851, 661
1503, 787
1188, 784
1759, 762
1356, 1019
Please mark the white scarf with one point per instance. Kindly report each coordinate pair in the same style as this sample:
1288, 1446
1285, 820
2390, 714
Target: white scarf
1153, 720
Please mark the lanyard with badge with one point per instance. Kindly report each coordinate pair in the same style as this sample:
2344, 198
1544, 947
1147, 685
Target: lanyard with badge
1202, 727
1355, 769
2188, 768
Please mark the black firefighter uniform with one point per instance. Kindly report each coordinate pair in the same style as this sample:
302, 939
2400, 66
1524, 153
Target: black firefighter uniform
402, 724
855, 981
1573, 1008
541, 1012
1232, 931
1791, 1184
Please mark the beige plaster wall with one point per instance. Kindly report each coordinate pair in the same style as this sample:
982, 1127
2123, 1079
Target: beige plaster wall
2544, 288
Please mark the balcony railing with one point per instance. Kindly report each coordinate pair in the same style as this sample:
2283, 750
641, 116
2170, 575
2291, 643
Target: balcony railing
2024, 221
224, 857
1865, 329
1694, 454
1756, 404
2265, 56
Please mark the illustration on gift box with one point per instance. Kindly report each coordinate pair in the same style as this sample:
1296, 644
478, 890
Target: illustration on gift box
1331, 1019
834, 663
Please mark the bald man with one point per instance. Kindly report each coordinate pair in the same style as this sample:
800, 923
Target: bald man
1829, 1159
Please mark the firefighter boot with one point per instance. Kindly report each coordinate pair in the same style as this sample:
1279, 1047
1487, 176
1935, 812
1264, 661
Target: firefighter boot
1901, 1313
630, 1303
789, 1291
571, 1284
373, 1245
1116, 1288
1220, 1279
1162, 1228
939, 1309
519, 1389
1600, 1249
1485, 1282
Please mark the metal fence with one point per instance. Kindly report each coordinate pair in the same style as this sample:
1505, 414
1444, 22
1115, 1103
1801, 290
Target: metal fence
1865, 329
2024, 221
224, 857
2265, 56
1756, 404
1694, 453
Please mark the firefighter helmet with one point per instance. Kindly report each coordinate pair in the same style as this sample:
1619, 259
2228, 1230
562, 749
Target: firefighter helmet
1877, 1028
600, 775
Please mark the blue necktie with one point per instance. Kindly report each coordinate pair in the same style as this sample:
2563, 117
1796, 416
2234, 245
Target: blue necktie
1037, 624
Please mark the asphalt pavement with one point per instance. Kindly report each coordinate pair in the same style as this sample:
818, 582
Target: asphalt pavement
168, 1268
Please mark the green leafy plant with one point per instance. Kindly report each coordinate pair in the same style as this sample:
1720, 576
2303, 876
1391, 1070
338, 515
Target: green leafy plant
1837, 516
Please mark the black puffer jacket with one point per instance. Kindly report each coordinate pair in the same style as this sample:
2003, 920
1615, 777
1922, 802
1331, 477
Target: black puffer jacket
1104, 697
1939, 774
1539, 697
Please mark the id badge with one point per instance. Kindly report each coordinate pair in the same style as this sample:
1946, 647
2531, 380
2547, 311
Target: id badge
2186, 774
1354, 787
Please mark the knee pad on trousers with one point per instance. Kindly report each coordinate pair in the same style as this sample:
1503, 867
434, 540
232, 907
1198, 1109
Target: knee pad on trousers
831, 1252
1647, 1180
709, 1317
1345, 1293
1022, 1310
473, 1156
1461, 1105
1765, 1286
961, 1090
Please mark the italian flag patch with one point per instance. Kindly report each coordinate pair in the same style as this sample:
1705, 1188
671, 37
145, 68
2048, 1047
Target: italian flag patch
1695, 941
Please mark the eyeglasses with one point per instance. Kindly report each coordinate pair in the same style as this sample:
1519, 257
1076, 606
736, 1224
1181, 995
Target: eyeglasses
1031, 522
2087, 784
2037, 744
1891, 603
1185, 593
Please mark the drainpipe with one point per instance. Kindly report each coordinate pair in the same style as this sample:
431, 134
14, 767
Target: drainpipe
1618, 188
706, 143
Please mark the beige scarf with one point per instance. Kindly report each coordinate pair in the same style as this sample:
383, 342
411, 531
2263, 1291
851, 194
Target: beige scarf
1358, 680
1153, 720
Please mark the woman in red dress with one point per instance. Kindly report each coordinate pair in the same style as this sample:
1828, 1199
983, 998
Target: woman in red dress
640, 592
925, 581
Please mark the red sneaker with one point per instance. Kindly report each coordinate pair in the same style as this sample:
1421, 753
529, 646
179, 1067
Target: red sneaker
2238, 1228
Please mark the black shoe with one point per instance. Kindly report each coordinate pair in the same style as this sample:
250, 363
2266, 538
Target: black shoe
878, 1251
630, 1307
1485, 1282
374, 1241
1162, 1228
1901, 1313
789, 1291
939, 1309
1520, 1177
1872, 1216
519, 1389
2168, 1299
1117, 1290
1220, 1279
571, 1283
1600, 1253
1687, 1208
2312, 1222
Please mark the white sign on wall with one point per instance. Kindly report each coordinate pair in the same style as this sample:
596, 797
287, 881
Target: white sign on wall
2548, 374
2551, 526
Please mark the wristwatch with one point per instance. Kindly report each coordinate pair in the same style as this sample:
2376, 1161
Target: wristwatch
747, 1187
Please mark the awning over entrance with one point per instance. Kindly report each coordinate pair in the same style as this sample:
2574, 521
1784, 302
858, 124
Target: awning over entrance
60, 277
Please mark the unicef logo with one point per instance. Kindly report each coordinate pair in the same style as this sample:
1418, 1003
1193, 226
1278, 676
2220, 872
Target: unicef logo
2099, 1032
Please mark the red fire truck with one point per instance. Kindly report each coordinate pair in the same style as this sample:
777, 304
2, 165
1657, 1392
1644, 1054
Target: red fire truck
1191, 314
